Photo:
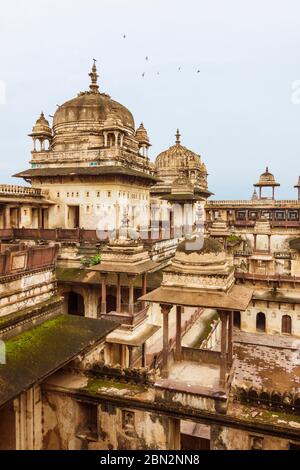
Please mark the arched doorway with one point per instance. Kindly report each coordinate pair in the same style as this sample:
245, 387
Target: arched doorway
261, 322
237, 319
286, 324
75, 304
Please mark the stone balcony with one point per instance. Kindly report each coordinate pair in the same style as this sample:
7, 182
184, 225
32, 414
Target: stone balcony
129, 315
19, 191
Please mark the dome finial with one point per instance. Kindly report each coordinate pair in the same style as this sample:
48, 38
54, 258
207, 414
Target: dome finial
94, 87
177, 135
267, 169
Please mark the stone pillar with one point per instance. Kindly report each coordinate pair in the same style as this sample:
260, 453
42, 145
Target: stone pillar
103, 293
174, 434
255, 241
230, 338
105, 139
144, 286
144, 355
130, 358
116, 138
122, 140
119, 291
223, 365
269, 243
178, 332
273, 192
131, 280
165, 310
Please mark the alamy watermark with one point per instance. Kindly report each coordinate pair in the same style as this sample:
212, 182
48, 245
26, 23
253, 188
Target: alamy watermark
295, 96
152, 222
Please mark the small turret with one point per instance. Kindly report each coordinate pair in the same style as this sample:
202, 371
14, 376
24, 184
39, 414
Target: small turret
41, 132
141, 136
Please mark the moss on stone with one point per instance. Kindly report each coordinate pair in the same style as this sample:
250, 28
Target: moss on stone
93, 386
34, 354
207, 327
11, 318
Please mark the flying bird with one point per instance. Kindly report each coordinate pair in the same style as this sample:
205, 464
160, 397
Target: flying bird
124, 36
157, 73
147, 58
143, 74
198, 71
179, 68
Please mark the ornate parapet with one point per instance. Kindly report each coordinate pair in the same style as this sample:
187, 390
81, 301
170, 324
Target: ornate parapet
141, 376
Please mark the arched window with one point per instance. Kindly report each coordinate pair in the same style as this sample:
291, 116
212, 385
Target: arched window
261, 322
75, 304
237, 319
286, 324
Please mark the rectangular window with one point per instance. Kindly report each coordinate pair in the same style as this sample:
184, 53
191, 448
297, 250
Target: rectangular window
253, 215
241, 215
267, 215
279, 215
293, 215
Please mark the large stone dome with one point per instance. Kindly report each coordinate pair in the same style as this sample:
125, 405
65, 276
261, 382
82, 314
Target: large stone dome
92, 107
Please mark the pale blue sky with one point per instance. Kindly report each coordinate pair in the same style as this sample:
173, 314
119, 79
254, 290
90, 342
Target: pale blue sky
237, 112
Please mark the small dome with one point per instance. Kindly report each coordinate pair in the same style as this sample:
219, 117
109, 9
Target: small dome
141, 135
178, 156
210, 246
41, 127
267, 179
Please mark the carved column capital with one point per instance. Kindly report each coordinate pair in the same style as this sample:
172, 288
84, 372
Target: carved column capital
165, 308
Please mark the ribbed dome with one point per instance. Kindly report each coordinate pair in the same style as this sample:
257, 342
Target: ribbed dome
96, 107
178, 156
267, 179
142, 135
41, 127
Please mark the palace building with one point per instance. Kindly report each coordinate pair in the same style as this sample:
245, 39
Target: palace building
137, 311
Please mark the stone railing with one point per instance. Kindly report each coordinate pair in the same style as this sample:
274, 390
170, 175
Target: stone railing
242, 253
72, 235
266, 277
269, 399
138, 314
14, 190
20, 259
250, 202
139, 376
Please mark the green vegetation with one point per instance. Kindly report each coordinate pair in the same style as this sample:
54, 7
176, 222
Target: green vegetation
92, 261
94, 385
27, 312
233, 239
